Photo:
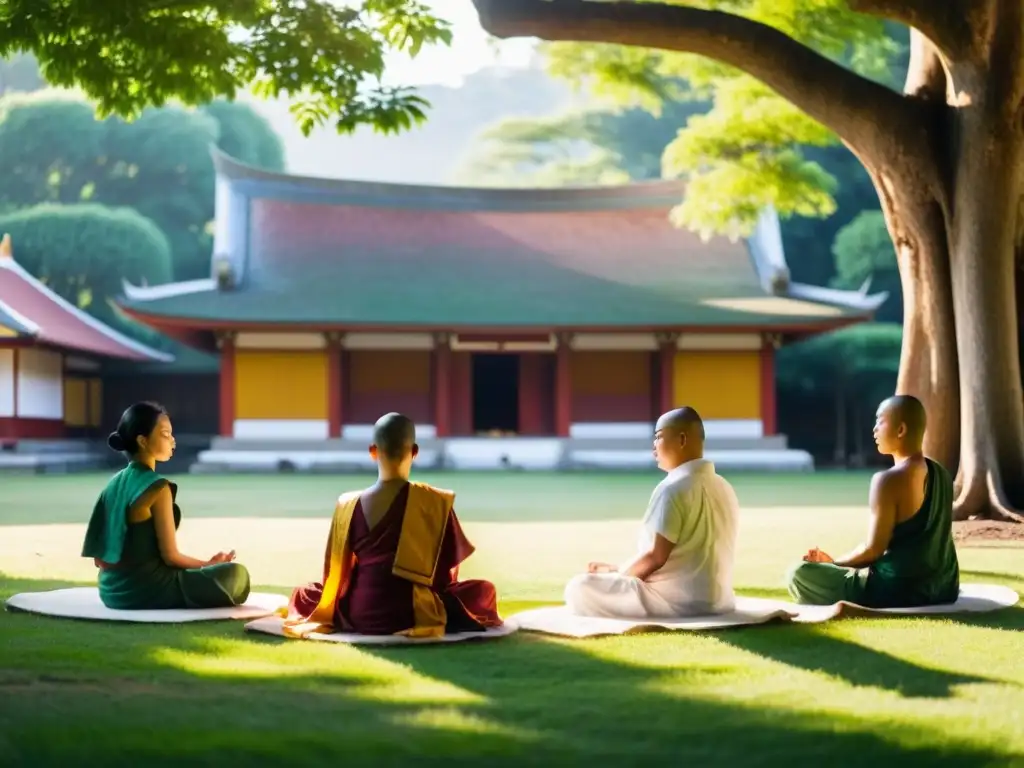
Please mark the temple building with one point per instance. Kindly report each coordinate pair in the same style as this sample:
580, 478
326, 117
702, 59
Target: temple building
518, 327
51, 384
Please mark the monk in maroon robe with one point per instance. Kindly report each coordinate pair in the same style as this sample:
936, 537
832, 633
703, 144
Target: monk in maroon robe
393, 557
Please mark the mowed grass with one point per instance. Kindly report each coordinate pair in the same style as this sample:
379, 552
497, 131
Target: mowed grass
937, 692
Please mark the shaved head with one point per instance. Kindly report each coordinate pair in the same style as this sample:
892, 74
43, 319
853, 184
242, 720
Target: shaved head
685, 421
908, 411
394, 436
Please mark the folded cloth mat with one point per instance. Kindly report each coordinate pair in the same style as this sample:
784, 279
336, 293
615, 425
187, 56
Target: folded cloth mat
557, 620
85, 603
974, 598
274, 625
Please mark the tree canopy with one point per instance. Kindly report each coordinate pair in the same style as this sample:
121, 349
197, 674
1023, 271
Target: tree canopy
53, 149
82, 252
749, 150
328, 57
595, 146
863, 250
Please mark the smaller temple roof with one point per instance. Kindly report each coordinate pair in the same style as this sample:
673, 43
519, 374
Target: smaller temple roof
30, 309
330, 253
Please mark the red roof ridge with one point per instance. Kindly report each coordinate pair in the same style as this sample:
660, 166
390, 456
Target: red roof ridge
137, 347
640, 194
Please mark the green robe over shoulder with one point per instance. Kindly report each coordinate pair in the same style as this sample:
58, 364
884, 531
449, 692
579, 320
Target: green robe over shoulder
133, 574
919, 567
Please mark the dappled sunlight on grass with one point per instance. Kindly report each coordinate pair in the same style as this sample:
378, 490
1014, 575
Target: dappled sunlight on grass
941, 692
456, 720
301, 664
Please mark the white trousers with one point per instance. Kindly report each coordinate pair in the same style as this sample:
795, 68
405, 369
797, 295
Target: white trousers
614, 596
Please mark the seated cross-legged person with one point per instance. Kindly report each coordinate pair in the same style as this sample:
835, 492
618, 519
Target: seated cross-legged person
132, 532
909, 559
393, 554
687, 539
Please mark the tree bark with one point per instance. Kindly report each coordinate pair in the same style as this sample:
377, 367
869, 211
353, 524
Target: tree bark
983, 235
951, 25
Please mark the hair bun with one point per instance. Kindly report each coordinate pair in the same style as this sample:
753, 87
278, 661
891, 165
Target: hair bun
116, 442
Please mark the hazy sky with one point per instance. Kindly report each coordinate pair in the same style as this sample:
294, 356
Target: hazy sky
470, 50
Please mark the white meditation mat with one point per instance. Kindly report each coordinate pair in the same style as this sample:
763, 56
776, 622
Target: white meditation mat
85, 603
556, 620
273, 625
974, 598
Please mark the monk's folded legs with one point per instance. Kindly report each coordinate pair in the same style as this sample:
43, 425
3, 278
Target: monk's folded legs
606, 595
223, 585
824, 584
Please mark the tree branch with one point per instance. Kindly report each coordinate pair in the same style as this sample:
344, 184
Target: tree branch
950, 24
864, 114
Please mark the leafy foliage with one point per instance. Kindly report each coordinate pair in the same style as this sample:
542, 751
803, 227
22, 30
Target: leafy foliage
863, 249
328, 56
749, 151
83, 252
848, 372
54, 149
596, 146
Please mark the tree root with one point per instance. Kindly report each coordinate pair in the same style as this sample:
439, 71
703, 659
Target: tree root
984, 498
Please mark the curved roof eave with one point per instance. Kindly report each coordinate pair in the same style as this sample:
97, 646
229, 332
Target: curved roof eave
641, 194
136, 347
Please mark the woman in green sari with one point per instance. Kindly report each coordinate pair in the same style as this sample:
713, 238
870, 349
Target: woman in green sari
132, 532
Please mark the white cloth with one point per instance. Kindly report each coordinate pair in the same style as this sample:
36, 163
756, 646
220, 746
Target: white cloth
695, 509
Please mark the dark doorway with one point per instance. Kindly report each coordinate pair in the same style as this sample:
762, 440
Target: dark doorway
495, 393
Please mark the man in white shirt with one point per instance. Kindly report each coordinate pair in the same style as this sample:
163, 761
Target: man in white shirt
687, 540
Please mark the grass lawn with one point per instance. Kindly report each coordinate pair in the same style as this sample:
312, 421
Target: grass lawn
936, 692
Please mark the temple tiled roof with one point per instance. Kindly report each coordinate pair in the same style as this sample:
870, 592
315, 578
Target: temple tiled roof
29, 308
350, 254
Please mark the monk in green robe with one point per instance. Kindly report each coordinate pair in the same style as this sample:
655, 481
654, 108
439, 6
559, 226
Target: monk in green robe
909, 559
132, 532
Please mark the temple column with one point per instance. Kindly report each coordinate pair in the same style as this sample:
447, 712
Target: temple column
335, 385
768, 412
563, 386
226, 345
531, 393
666, 372
14, 382
442, 384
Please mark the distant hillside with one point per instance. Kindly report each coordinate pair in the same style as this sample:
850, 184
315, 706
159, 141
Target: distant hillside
428, 154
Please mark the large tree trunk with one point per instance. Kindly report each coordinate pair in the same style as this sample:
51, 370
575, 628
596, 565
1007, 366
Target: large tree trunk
983, 236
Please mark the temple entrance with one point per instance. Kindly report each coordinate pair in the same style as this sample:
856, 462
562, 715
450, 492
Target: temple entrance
495, 393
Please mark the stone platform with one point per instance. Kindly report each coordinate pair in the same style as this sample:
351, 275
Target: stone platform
52, 456
228, 455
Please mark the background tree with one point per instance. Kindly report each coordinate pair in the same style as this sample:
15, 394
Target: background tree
847, 373
83, 252
863, 250
944, 156
54, 149
594, 146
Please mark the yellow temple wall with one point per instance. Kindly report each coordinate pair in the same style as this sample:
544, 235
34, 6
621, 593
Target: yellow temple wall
83, 402
720, 384
288, 385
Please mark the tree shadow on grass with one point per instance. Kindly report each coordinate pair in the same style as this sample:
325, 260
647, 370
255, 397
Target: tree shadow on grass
98, 693
632, 714
808, 647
